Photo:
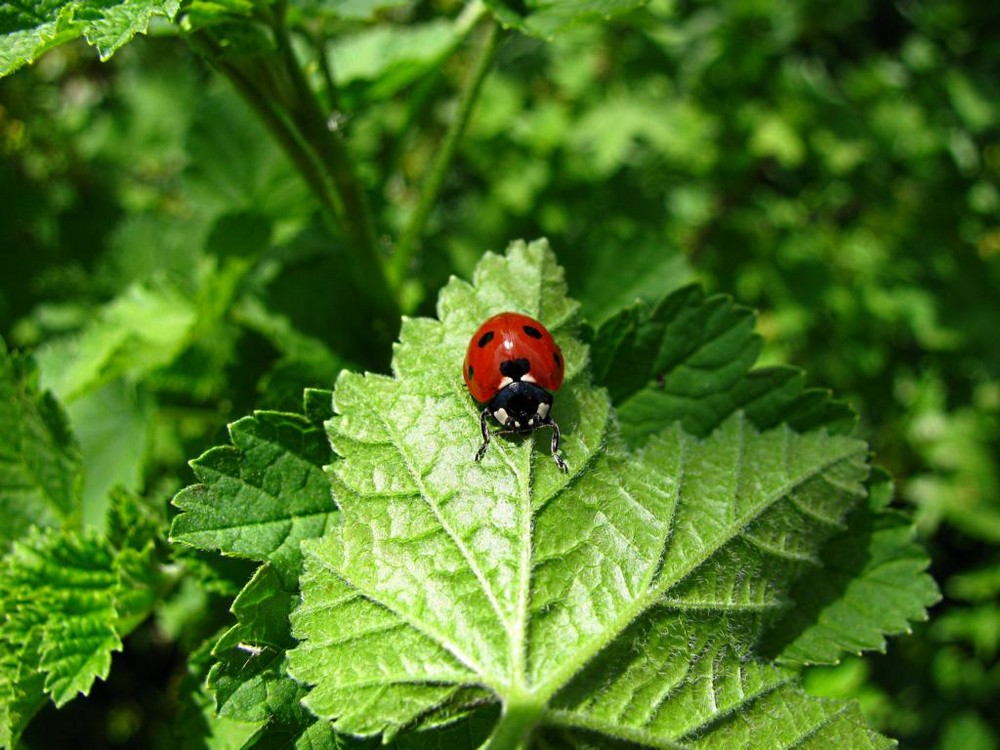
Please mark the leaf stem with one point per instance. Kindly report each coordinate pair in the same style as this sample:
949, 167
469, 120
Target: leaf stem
518, 720
431, 188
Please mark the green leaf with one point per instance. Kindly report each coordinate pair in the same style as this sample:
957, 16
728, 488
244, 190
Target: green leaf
113, 425
67, 597
689, 359
872, 583
199, 727
41, 472
620, 602
304, 358
243, 509
143, 329
134, 521
547, 17
606, 283
249, 680
30, 28
235, 167
136, 525
21, 687
68, 600
260, 497
391, 57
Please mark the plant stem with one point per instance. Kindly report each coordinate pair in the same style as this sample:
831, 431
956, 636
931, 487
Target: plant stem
431, 188
275, 118
326, 70
331, 151
283, 132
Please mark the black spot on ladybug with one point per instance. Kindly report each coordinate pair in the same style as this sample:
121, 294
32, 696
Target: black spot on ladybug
515, 369
533, 332
485, 339
556, 357
470, 372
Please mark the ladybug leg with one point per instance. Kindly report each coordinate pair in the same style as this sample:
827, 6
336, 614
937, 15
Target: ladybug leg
555, 446
486, 433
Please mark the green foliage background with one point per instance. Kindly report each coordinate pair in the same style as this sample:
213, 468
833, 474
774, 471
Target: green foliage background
174, 264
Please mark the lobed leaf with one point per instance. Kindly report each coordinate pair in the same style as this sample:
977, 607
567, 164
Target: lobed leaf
134, 521
622, 601
28, 29
689, 358
261, 496
873, 582
259, 499
248, 679
68, 599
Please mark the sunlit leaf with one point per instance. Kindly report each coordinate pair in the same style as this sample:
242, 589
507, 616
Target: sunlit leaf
623, 600
27, 29
261, 496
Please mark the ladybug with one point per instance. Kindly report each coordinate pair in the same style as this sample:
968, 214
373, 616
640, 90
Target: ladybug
512, 365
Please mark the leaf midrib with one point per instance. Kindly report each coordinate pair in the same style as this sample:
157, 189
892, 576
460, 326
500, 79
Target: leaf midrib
434, 506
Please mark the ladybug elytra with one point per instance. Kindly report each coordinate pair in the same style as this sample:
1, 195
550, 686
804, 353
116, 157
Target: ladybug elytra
512, 365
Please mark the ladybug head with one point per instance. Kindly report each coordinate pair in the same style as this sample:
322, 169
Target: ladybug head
521, 406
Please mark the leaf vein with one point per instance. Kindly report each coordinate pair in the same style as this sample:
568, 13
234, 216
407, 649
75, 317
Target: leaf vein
420, 626
452, 533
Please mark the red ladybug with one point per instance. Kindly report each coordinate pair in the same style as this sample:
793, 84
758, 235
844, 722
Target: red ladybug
511, 366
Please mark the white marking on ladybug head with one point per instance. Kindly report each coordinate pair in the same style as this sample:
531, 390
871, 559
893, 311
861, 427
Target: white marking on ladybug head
543, 409
501, 416
528, 377
504, 382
